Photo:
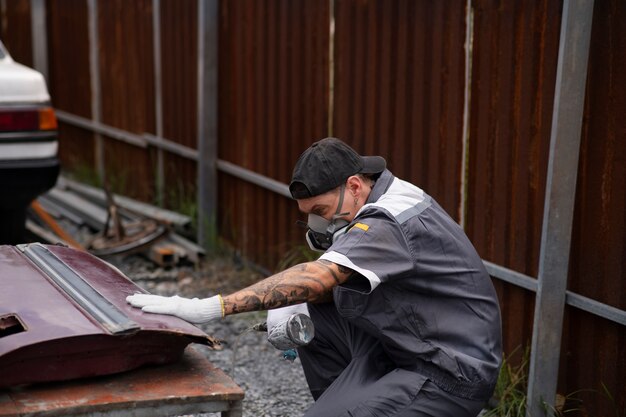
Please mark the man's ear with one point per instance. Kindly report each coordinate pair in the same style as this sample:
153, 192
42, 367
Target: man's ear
354, 185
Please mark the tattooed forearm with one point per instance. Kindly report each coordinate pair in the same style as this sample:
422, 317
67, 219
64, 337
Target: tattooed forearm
326, 265
308, 282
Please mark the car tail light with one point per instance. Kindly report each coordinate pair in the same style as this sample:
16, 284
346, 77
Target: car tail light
15, 120
47, 119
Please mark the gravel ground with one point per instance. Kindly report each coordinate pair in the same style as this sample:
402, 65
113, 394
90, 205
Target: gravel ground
273, 386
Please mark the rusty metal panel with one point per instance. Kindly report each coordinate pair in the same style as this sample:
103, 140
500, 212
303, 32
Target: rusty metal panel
179, 71
273, 78
514, 58
597, 268
69, 79
16, 31
399, 88
127, 88
179, 44
191, 385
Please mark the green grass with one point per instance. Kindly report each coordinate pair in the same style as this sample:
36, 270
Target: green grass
509, 398
510, 392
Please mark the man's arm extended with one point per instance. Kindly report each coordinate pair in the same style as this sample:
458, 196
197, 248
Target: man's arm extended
308, 282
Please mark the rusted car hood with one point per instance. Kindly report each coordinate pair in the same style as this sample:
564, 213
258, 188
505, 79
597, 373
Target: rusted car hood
63, 315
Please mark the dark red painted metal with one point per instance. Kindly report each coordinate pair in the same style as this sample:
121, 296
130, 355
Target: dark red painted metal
56, 339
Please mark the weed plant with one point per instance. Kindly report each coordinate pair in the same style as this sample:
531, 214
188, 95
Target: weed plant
510, 393
509, 399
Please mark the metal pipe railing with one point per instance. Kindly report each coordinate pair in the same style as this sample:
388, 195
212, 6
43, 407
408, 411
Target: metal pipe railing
497, 271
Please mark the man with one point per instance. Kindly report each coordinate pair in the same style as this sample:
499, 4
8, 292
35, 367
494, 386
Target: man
406, 319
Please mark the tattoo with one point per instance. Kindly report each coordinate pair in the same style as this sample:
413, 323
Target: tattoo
345, 270
325, 264
307, 282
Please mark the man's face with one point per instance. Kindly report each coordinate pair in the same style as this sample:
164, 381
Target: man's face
325, 205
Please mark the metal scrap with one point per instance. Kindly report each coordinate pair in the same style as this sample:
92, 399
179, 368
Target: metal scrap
106, 224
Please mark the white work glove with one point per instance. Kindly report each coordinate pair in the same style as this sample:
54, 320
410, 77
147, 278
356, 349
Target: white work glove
192, 310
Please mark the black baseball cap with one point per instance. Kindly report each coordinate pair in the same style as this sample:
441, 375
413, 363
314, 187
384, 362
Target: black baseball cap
326, 164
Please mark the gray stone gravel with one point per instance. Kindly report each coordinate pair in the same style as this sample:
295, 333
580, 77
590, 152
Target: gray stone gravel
273, 386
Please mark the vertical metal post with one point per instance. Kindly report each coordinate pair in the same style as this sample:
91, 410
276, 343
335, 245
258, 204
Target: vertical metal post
207, 120
94, 75
158, 95
331, 66
467, 95
38, 30
567, 115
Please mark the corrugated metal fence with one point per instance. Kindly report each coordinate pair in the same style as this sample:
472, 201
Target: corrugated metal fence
458, 99
514, 59
273, 69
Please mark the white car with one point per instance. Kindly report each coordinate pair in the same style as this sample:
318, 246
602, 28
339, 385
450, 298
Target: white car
29, 165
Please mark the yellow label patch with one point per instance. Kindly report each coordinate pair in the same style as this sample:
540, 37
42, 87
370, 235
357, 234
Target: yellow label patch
361, 226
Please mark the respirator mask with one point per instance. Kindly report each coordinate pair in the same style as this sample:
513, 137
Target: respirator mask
321, 232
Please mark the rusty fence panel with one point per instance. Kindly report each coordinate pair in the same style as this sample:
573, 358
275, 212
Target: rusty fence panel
16, 30
273, 77
569, 98
514, 61
127, 92
179, 48
69, 79
126, 84
597, 267
399, 88
514, 53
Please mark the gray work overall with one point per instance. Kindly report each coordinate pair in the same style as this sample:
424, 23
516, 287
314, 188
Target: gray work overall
416, 332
